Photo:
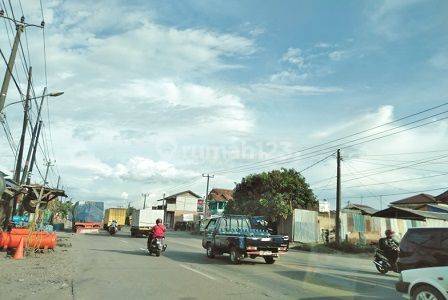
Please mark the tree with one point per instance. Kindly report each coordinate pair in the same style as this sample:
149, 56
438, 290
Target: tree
273, 194
59, 208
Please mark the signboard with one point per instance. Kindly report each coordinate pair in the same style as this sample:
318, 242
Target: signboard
324, 206
200, 205
187, 217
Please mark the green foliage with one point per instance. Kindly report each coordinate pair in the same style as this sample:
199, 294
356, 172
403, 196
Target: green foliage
60, 208
129, 212
273, 194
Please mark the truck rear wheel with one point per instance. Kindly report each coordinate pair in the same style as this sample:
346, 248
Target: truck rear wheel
235, 256
269, 260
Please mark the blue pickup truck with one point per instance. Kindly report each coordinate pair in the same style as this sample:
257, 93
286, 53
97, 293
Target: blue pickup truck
234, 235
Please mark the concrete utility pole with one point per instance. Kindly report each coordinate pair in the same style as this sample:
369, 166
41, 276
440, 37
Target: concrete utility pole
164, 209
144, 201
206, 192
24, 125
12, 57
33, 157
39, 199
22, 144
33, 137
338, 198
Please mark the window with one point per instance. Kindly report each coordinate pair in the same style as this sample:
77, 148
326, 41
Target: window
211, 225
425, 238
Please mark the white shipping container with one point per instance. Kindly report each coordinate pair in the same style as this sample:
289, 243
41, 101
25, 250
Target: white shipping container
146, 217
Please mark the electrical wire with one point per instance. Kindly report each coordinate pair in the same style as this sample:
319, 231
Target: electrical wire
339, 139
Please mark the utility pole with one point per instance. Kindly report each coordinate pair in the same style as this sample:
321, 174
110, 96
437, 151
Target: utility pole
206, 193
33, 157
39, 199
164, 209
33, 137
12, 57
144, 201
24, 125
338, 198
18, 168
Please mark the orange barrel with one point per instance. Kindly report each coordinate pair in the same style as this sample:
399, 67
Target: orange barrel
22, 231
38, 240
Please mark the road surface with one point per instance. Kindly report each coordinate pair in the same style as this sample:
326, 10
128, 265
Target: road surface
118, 267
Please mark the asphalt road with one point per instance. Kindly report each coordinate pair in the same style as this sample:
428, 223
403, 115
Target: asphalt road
119, 267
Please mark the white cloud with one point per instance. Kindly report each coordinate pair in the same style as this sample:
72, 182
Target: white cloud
440, 61
287, 76
294, 56
271, 89
337, 55
322, 45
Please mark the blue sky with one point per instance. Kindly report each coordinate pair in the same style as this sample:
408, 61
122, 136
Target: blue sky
158, 92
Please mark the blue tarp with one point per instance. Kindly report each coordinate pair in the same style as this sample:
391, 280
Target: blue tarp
89, 212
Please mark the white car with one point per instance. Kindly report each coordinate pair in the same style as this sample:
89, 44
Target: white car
425, 283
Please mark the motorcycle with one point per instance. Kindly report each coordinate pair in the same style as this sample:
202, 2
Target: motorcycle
156, 246
113, 228
382, 263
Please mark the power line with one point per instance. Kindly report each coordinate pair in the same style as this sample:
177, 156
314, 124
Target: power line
395, 194
342, 145
338, 139
381, 183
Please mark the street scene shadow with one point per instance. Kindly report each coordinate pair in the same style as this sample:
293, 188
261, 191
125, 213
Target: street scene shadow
201, 258
126, 252
364, 286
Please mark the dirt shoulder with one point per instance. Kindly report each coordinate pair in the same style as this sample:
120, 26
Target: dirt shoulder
39, 275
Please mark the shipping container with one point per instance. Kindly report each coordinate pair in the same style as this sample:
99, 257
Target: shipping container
144, 219
117, 214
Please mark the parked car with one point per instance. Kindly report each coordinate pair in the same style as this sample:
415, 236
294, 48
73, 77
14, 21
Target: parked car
425, 283
234, 235
422, 248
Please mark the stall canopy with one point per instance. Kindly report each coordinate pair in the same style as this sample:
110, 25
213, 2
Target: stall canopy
410, 214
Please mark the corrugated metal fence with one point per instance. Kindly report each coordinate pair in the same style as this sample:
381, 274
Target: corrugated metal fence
306, 226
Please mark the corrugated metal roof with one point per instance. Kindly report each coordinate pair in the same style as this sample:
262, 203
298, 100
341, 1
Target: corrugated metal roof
417, 199
409, 214
177, 194
364, 209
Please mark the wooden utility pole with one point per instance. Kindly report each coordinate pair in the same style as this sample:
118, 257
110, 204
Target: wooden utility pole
206, 192
338, 198
33, 137
10, 66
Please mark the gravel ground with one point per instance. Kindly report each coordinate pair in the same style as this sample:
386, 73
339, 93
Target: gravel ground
39, 275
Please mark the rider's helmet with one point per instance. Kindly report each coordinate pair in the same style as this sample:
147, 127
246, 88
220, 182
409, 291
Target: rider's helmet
158, 221
389, 232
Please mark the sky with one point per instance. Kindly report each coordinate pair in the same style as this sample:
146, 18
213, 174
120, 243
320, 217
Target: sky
157, 93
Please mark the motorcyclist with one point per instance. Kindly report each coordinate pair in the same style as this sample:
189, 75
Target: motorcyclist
389, 246
157, 231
